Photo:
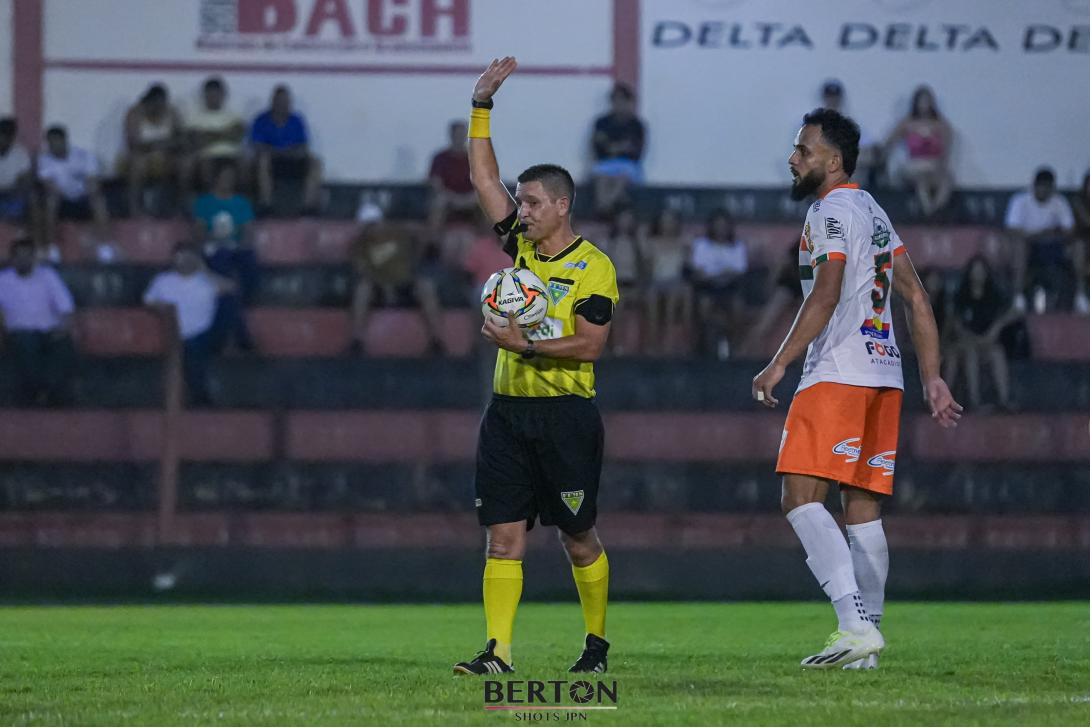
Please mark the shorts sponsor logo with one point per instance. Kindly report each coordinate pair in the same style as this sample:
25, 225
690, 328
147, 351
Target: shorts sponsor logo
850, 448
834, 228
573, 499
884, 461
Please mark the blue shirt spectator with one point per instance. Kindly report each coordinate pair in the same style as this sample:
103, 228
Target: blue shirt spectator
279, 133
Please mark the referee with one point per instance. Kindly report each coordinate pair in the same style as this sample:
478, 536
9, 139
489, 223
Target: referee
539, 454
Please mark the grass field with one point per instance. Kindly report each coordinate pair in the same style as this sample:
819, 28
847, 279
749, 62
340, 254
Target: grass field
703, 664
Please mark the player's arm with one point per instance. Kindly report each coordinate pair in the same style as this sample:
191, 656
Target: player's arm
811, 320
592, 322
925, 338
484, 171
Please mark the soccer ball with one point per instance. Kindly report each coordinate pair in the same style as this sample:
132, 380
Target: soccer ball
518, 291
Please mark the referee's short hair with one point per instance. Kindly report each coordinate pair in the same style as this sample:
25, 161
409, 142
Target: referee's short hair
554, 178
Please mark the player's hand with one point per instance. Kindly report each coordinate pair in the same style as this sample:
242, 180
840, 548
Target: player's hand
764, 382
944, 410
493, 77
507, 337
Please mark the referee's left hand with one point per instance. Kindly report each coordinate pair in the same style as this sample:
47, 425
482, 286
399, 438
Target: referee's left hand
508, 337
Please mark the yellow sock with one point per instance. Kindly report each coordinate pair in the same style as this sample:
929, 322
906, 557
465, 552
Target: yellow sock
593, 584
502, 591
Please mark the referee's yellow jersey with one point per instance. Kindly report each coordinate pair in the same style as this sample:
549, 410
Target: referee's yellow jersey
580, 280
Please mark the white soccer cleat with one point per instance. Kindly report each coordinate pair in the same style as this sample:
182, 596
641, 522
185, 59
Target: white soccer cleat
868, 662
844, 647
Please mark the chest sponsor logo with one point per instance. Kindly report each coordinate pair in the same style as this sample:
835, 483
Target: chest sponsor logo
885, 461
573, 499
850, 448
576, 264
557, 291
876, 328
880, 349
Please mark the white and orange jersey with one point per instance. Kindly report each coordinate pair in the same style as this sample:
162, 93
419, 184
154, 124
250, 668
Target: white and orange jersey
857, 346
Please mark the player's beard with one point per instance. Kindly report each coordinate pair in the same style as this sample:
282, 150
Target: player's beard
804, 186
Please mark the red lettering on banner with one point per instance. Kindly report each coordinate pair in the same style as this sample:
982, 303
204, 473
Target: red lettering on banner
326, 10
456, 10
266, 16
398, 22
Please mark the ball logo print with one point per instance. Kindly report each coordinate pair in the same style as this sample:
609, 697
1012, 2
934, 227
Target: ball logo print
516, 291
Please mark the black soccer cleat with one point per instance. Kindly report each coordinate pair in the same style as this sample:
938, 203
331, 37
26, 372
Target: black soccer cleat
485, 662
593, 659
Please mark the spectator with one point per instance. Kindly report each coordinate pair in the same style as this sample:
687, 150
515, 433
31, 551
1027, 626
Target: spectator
451, 191
214, 135
624, 243
36, 319
786, 295
153, 136
15, 174
1041, 224
927, 138
618, 142
482, 257
981, 311
1081, 209
390, 270
281, 142
718, 263
69, 175
189, 291
224, 223
868, 167
934, 282
669, 295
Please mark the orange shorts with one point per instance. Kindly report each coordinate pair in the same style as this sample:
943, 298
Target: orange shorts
843, 433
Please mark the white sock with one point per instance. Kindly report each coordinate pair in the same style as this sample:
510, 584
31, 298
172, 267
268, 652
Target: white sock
870, 559
830, 561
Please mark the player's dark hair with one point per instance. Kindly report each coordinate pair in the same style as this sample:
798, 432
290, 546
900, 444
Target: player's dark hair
1044, 175
838, 131
20, 242
554, 178
8, 127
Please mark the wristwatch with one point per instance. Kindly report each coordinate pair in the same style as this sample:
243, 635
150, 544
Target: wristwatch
483, 104
530, 351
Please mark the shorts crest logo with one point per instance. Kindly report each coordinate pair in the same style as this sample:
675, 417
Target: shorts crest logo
573, 499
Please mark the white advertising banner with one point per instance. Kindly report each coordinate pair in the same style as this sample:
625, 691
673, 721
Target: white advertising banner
725, 82
378, 80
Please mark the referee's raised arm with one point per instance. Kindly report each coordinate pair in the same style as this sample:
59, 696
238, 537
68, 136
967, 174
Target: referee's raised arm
483, 169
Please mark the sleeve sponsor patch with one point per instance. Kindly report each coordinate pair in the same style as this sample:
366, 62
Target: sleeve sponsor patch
834, 228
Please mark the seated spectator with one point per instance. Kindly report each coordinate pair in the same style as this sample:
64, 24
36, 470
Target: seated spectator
281, 143
1041, 225
452, 193
153, 138
189, 292
70, 177
934, 282
669, 295
718, 263
927, 137
868, 166
786, 295
15, 174
214, 135
391, 271
981, 311
482, 257
618, 143
36, 321
224, 224
1080, 206
624, 244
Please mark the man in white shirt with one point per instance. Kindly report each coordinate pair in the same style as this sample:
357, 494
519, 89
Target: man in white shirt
842, 426
36, 321
1041, 225
14, 174
214, 132
70, 176
190, 293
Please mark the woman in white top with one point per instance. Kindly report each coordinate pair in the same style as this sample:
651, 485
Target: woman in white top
669, 295
153, 137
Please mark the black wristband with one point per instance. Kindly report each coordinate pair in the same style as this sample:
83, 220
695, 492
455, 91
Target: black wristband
483, 104
530, 351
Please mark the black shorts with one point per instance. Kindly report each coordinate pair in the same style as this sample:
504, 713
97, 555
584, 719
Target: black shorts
540, 458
